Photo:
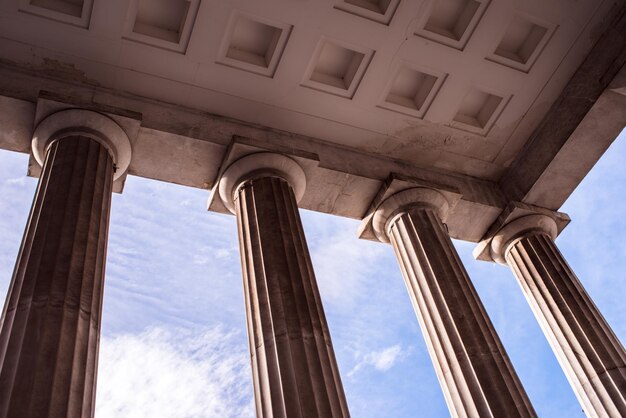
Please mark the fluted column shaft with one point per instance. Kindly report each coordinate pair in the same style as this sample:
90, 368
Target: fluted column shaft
295, 373
50, 324
590, 354
473, 368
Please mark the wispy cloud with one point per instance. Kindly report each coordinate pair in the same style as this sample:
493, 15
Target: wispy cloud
18, 181
385, 359
381, 360
174, 373
343, 264
170, 262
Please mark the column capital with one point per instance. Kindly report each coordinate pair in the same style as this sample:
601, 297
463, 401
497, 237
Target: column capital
257, 165
518, 229
405, 200
77, 122
517, 220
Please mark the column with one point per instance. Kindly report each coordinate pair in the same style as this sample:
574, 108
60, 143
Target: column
294, 369
49, 329
590, 354
475, 373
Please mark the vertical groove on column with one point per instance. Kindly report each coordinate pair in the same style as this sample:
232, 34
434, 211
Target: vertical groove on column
294, 369
473, 368
50, 325
590, 354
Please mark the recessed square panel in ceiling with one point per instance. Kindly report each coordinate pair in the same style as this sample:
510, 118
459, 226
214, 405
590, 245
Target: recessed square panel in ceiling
162, 23
75, 12
522, 42
478, 111
411, 91
337, 67
253, 44
451, 22
381, 11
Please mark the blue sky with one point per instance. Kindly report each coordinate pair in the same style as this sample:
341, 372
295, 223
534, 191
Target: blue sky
173, 335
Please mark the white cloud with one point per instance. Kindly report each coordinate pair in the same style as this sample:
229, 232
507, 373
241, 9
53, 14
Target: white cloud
381, 360
181, 374
385, 359
19, 181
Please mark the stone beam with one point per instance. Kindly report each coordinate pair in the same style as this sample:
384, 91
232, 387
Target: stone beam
187, 147
583, 122
333, 191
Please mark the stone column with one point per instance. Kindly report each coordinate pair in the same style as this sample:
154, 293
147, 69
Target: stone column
475, 373
294, 369
50, 325
590, 354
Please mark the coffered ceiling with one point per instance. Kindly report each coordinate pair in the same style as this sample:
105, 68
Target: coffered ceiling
456, 85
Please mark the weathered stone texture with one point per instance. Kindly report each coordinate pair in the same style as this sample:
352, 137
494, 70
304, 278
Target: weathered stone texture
294, 368
590, 354
476, 375
50, 324
589, 81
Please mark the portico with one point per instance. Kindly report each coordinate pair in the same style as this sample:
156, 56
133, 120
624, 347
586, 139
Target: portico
481, 143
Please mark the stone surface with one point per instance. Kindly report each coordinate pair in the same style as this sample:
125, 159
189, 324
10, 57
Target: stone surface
50, 324
261, 164
349, 193
187, 130
590, 354
199, 78
485, 251
195, 109
86, 123
294, 369
116, 129
400, 192
475, 373
550, 139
